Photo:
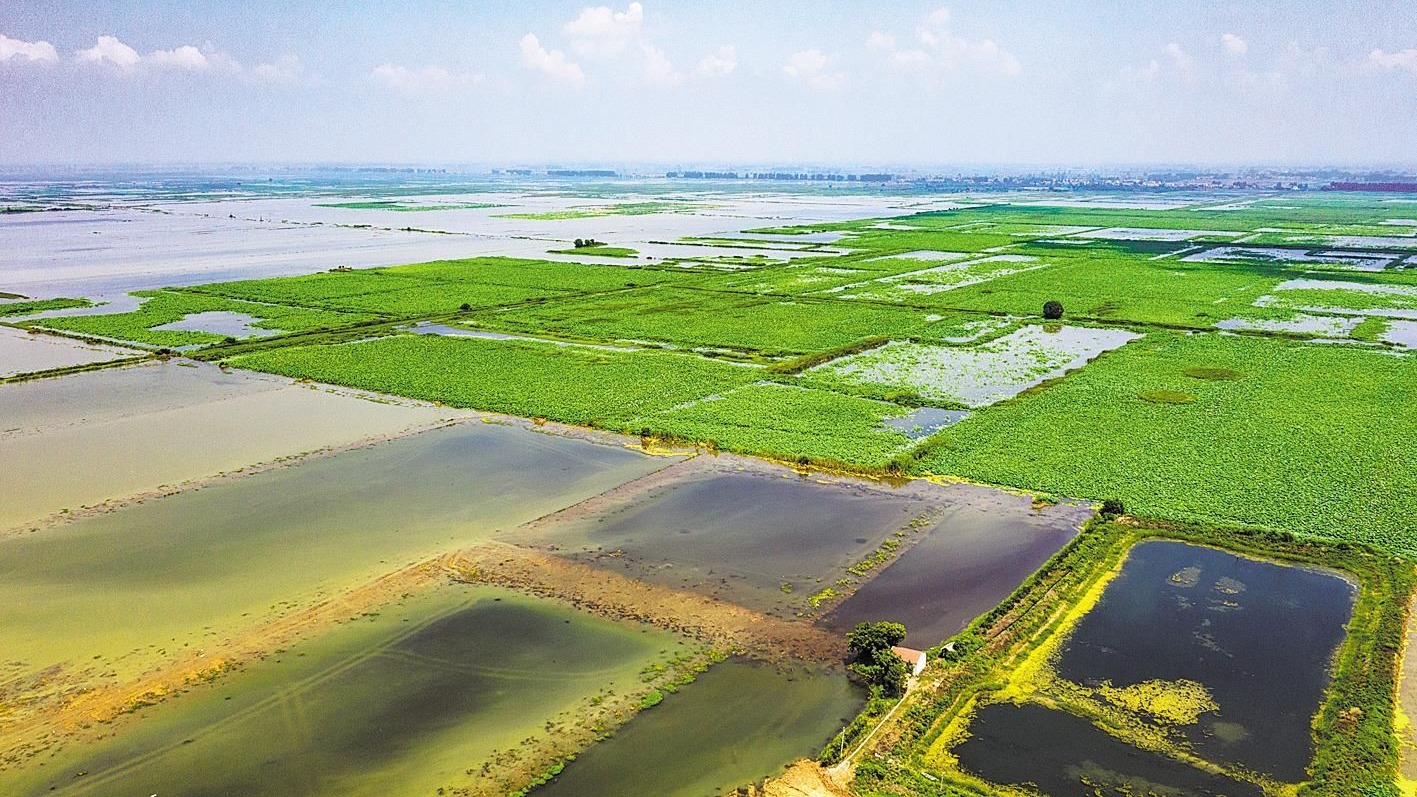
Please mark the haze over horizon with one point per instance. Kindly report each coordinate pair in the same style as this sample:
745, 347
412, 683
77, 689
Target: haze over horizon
907, 83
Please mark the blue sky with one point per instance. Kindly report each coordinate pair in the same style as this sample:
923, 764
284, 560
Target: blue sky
1027, 82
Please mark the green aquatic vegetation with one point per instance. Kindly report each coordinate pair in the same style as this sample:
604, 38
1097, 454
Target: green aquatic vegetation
169, 306
574, 384
788, 423
1166, 396
688, 318
599, 250
32, 306
438, 286
1309, 441
1202, 372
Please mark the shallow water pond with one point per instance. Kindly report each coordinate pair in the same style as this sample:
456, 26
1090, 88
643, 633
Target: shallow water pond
761, 536
402, 703
118, 591
1066, 756
740, 722
22, 352
1258, 636
972, 559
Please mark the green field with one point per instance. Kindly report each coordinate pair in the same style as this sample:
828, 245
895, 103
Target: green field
808, 360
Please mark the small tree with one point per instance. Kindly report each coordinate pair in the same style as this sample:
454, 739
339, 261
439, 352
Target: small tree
874, 660
580, 243
1112, 507
1052, 309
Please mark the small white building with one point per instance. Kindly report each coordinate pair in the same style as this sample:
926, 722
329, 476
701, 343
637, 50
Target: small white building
914, 658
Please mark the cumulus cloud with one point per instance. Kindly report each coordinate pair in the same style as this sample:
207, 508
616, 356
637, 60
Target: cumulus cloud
1233, 44
27, 51
184, 57
656, 68
603, 31
552, 63
938, 48
110, 49
813, 67
1405, 60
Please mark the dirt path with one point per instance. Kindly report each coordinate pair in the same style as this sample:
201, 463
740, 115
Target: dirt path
1407, 699
803, 779
610, 594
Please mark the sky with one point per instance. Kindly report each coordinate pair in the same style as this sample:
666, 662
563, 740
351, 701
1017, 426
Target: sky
883, 84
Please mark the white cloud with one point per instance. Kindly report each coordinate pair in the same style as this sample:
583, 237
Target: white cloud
603, 31
941, 50
656, 68
813, 68
187, 57
1179, 57
29, 51
1233, 44
424, 80
552, 63
880, 41
184, 57
718, 63
1401, 59
286, 69
110, 49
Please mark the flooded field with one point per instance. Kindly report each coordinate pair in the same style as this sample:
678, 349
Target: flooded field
145, 426
405, 702
100, 599
1062, 755
738, 723
22, 352
978, 376
756, 534
975, 555
1257, 636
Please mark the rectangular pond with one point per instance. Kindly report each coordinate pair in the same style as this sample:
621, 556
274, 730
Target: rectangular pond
97, 599
752, 533
738, 723
411, 701
976, 555
1258, 636
87, 438
1222, 657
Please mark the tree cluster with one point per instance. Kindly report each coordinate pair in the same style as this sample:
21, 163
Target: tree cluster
873, 658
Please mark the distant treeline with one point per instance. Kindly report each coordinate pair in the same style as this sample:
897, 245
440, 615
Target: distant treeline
823, 176
1405, 188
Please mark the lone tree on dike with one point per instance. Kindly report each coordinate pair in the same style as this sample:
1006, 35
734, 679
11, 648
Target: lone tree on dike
875, 662
1052, 309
